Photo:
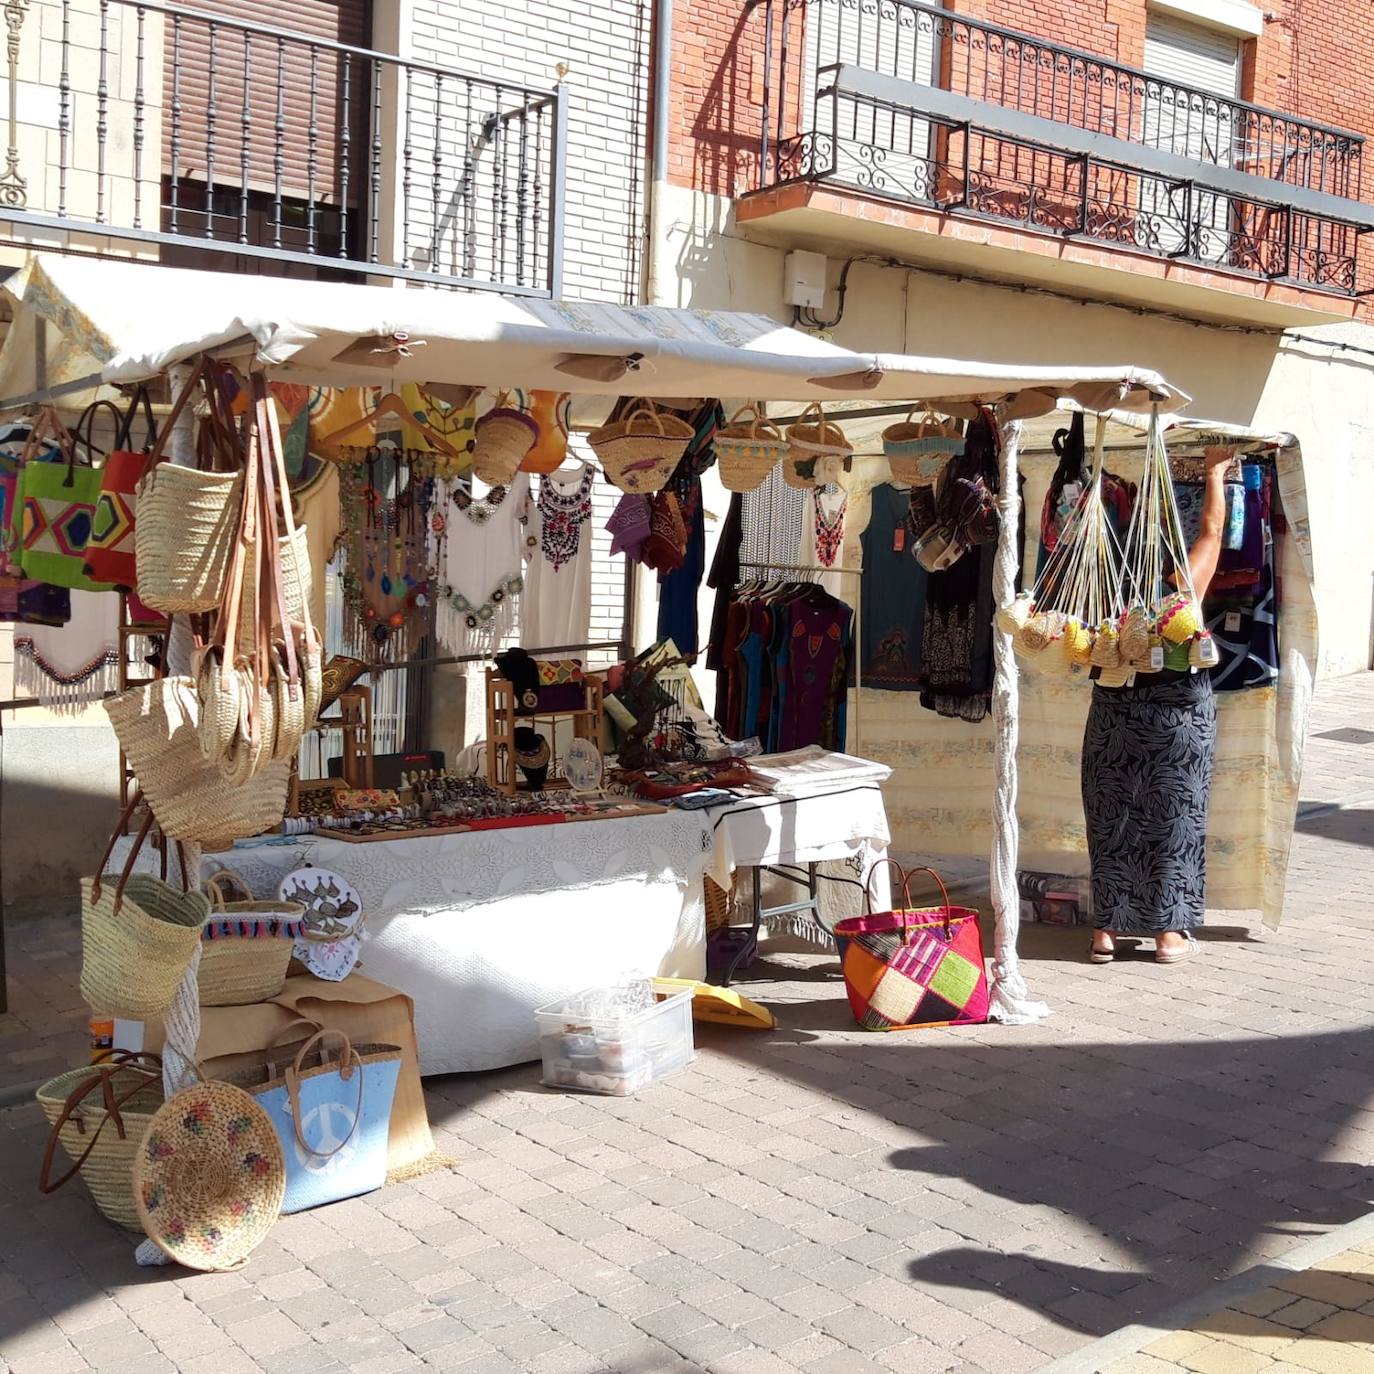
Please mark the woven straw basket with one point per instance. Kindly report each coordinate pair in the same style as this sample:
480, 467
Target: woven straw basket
108, 1142
720, 903
158, 727
504, 437
297, 582
746, 450
640, 452
209, 1178
245, 945
918, 451
813, 436
185, 522
136, 947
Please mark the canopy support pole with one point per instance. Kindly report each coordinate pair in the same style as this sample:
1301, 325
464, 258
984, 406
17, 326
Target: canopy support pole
1011, 1000
181, 1025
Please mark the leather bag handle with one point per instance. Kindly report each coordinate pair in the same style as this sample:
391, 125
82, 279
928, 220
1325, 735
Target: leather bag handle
907, 875
349, 1061
178, 406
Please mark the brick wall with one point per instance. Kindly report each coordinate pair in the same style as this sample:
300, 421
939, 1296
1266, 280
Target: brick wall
605, 46
1314, 59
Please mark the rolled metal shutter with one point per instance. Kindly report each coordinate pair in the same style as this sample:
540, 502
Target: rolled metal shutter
321, 91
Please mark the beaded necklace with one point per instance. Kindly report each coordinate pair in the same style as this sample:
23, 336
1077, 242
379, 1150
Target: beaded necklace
829, 530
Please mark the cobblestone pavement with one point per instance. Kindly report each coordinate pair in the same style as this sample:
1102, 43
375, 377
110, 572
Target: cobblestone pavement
809, 1199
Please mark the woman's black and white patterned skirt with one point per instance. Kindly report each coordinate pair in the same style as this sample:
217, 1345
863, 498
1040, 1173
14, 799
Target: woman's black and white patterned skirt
1147, 778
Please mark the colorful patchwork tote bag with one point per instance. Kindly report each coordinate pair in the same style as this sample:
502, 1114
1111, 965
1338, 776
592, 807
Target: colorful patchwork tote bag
56, 508
915, 966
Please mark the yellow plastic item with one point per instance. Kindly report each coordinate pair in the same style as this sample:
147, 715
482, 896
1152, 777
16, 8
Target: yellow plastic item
722, 1005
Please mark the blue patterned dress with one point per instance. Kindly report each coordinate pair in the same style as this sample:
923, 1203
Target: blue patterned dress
1147, 780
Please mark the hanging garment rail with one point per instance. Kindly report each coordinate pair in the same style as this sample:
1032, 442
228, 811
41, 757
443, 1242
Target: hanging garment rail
817, 573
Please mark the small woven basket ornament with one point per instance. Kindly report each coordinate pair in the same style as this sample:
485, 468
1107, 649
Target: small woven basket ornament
1078, 643
1107, 646
640, 452
246, 945
1134, 642
1203, 652
210, 1177
1179, 618
918, 451
1038, 633
746, 450
502, 439
1011, 618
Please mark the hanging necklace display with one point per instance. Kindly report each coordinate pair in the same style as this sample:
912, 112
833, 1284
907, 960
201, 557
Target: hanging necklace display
829, 527
563, 512
480, 578
387, 575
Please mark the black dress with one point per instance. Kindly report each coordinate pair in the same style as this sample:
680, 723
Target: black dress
1147, 780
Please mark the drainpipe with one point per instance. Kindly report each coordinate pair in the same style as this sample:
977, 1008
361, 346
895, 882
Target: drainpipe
659, 283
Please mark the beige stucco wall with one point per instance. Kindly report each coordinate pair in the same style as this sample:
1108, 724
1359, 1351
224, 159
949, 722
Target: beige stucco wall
1246, 378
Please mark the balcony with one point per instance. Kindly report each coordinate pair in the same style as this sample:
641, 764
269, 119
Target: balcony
1005, 145
163, 131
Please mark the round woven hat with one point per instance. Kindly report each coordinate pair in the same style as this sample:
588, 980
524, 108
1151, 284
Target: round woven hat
209, 1177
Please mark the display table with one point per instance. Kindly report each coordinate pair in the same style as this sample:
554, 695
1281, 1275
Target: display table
480, 928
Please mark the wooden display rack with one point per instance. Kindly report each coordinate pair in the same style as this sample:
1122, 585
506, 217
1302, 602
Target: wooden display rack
502, 722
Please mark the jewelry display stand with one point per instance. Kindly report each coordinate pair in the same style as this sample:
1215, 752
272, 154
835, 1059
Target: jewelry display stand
502, 722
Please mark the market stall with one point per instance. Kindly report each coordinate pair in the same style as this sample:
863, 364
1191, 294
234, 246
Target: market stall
566, 843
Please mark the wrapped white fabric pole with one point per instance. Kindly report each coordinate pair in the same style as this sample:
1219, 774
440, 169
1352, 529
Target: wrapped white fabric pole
181, 1025
1011, 1000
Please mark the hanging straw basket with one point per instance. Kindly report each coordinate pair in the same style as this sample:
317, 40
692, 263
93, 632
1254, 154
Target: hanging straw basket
640, 452
245, 945
503, 438
1077, 643
813, 436
102, 1143
1203, 651
158, 727
746, 450
1107, 646
918, 451
185, 522
136, 943
209, 1177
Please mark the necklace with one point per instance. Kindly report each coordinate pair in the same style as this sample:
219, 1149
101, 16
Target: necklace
829, 530
479, 617
479, 510
563, 513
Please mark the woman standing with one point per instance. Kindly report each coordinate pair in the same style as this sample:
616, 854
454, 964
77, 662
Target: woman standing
1147, 779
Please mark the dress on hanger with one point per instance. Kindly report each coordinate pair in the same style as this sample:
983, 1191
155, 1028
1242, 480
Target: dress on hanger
480, 572
894, 597
557, 607
822, 536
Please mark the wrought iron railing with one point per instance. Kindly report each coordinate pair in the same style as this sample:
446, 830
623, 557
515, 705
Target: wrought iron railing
213, 138
908, 151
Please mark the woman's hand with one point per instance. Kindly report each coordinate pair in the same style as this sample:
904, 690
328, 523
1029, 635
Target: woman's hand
1218, 455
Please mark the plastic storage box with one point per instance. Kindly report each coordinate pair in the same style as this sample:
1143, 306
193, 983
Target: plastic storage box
615, 1057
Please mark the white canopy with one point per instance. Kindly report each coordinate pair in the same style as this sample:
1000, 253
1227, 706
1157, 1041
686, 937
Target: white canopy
129, 321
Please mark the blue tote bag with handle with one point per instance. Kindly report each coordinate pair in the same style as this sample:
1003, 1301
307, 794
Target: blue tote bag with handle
330, 1103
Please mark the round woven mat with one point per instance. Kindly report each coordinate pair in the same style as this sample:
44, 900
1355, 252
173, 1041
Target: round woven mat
209, 1177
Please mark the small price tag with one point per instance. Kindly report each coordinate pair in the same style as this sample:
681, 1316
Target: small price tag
1157, 658
1232, 621
899, 539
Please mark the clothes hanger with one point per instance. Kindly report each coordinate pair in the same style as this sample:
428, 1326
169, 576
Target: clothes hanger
390, 404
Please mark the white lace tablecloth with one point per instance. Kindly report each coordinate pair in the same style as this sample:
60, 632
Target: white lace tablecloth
842, 828
481, 928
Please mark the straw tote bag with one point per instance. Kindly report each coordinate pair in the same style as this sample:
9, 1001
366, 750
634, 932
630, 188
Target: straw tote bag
914, 966
158, 727
185, 519
747, 448
98, 1115
138, 935
246, 945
